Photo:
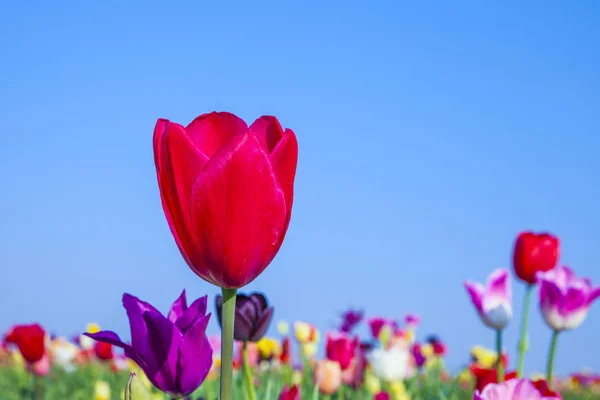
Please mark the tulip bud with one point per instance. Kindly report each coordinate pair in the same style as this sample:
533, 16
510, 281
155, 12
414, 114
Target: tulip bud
384, 335
135, 389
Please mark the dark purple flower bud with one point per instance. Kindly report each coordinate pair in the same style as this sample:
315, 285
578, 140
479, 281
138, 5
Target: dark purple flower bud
350, 319
173, 351
252, 316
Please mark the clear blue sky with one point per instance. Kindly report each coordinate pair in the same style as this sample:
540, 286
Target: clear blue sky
430, 134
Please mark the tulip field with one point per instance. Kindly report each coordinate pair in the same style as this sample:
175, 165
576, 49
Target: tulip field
227, 191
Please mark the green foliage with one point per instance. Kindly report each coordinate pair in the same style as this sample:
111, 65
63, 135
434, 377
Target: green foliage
18, 384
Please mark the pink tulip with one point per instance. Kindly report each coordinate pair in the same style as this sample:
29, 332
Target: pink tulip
565, 298
514, 389
41, 367
493, 301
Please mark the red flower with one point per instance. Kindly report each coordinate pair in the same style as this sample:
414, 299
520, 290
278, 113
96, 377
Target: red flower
30, 340
542, 387
227, 192
285, 356
534, 253
104, 351
382, 396
484, 376
292, 393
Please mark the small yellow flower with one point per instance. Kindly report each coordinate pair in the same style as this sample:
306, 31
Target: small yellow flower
399, 391
427, 350
101, 391
302, 331
92, 327
536, 376
268, 347
297, 378
85, 342
310, 349
465, 376
283, 327
372, 383
18, 359
485, 358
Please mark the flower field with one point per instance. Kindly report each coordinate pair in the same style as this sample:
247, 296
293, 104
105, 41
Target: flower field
227, 191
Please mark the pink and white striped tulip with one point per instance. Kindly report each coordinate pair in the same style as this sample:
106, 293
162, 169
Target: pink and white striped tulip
493, 301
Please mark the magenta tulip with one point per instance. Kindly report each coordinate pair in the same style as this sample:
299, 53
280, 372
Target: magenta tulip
565, 298
341, 348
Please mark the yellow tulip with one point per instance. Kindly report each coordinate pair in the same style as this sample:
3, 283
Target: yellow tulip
427, 350
101, 391
484, 357
310, 349
268, 347
302, 331
372, 383
399, 391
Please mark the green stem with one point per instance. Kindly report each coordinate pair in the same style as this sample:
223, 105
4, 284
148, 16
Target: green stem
248, 373
228, 318
523, 340
551, 358
499, 365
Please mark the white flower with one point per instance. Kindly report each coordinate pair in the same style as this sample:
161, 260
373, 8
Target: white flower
389, 365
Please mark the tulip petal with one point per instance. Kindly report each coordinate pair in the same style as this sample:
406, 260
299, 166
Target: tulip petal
113, 339
178, 308
498, 284
261, 326
476, 291
575, 300
238, 212
196, 310
178, 161
259, 301
212, 131
269, 129
135, 310
284, 159
195, 356
594, 295
246, 308
163, 349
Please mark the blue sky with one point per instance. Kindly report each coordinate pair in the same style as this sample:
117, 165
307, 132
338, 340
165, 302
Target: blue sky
430, 134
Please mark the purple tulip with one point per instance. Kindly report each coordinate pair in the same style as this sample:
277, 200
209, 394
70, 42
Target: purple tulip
174, 352
252, 316
564, 298
493, 302
350, 319
412, 320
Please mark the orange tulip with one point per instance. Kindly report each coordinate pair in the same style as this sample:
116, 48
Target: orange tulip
328, 376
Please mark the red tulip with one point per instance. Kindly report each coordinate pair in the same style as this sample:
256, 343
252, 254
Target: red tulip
485, 376
104, 351
285, 356
30, 340
292, 393
227, 192
534, 253
542, 386
341, 348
